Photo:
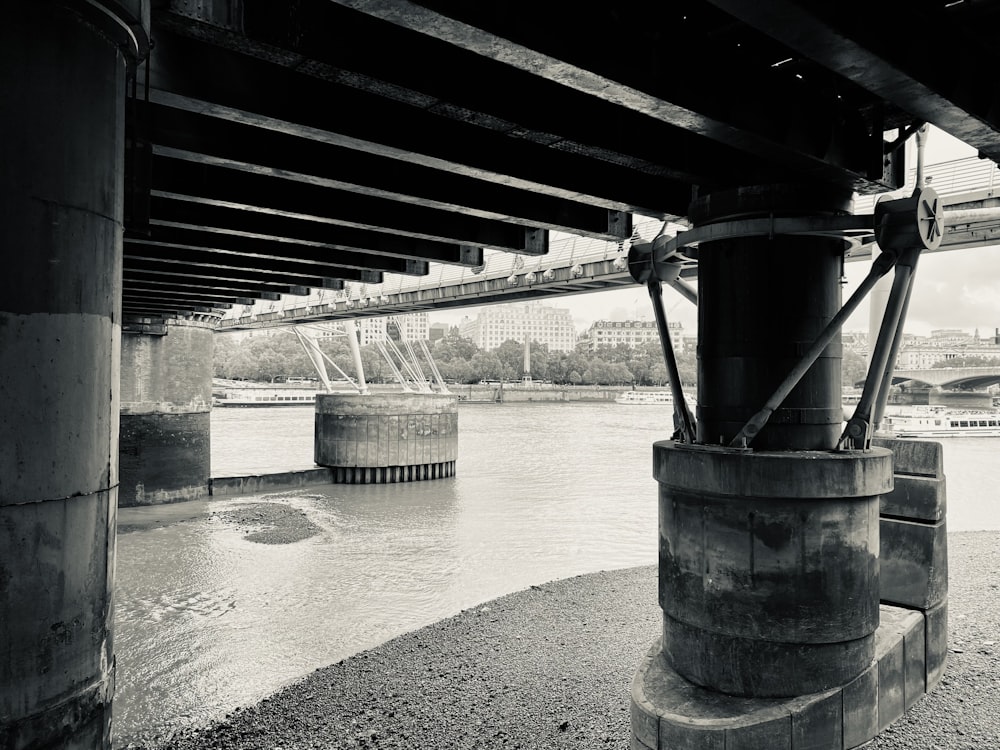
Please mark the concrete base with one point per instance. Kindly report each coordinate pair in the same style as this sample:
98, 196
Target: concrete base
386, 437
668, 712
392, 474
164, 458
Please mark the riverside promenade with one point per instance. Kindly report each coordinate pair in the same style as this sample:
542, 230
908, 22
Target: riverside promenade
551, 667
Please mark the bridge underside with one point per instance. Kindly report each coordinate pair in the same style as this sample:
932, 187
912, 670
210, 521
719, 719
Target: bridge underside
311, 157
172, 159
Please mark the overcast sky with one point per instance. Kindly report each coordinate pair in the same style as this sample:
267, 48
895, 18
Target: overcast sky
954, 289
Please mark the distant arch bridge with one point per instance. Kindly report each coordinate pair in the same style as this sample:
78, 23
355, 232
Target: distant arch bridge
950, 378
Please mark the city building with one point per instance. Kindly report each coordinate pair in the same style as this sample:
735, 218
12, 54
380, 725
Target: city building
413, 327
920, 352
539, 323
631, 333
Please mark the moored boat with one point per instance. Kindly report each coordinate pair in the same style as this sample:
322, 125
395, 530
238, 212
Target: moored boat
940, 422
649, 398
251, 397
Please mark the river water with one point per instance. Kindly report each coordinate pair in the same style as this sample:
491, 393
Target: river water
207, 620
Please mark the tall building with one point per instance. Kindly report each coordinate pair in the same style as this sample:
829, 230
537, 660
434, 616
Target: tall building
631, 333
540, 323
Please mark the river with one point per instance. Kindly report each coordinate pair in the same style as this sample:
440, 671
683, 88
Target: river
207, 620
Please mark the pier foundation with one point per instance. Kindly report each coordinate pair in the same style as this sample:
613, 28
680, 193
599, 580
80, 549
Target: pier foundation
776, 633
62, 73
386, 437
166, 409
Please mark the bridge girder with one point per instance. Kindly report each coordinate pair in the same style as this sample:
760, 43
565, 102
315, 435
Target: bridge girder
497, 130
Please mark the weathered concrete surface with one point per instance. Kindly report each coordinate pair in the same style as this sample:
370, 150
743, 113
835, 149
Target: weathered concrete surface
670, 712
914, 549
166, 403
769, 566
61, 187
386, 437
262, 482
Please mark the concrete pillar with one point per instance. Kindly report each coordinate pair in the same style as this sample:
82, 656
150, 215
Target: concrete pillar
62, 74
762, 302
386, 437
769, 574
166, 409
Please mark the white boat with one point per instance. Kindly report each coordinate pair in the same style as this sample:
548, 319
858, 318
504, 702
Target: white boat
647, 398
249, 396
939, 422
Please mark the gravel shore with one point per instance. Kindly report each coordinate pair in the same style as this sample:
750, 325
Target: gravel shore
550, 667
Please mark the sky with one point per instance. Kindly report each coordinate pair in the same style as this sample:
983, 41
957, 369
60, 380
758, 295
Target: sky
953, 289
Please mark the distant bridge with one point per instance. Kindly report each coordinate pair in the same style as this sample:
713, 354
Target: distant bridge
950, 378
576, 264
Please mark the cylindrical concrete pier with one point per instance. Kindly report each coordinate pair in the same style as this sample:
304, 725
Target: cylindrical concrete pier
769, 566
62, 74
387, 437
761, 303
166, 409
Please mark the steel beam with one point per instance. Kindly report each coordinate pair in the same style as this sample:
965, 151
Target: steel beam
274, 97
350, 241
210, 140
211, 185
257, 249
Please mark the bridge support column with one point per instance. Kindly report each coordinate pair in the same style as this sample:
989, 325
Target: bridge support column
62, 74
166, 409
773, 634
387, 437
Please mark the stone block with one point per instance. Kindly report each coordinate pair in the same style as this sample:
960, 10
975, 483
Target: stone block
916, 498
775, 734
914, 563
936, 643
916, 457
693, 736
645, 721
891, 684
914, 668
819, 725
861, 708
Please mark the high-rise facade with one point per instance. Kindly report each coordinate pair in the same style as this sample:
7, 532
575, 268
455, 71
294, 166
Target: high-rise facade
540, 324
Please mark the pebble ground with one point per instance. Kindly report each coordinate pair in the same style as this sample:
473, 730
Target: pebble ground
551, 666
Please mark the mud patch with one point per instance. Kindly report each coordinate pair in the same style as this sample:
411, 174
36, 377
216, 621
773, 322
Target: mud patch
270, 523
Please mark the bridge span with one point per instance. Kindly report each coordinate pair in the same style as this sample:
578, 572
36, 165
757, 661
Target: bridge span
959, 378
969, 187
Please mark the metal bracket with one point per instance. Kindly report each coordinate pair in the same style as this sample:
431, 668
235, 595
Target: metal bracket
903, 228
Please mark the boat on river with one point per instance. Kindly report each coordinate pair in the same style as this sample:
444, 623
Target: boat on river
252, 397
649, 398
940, 422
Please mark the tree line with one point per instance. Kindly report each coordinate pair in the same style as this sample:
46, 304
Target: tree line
277, 357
